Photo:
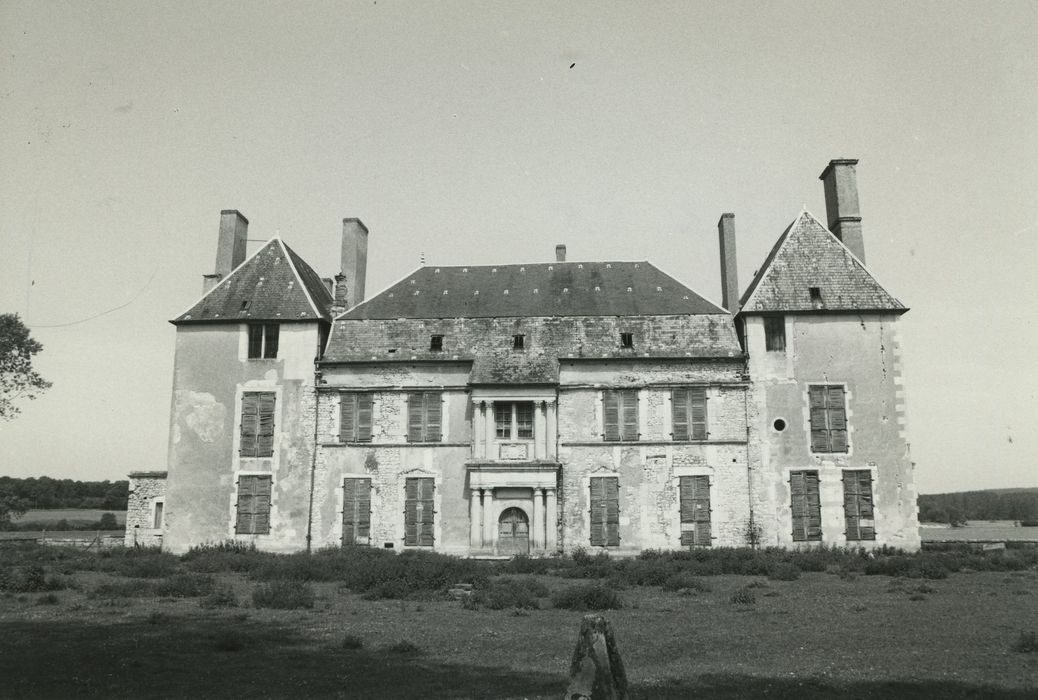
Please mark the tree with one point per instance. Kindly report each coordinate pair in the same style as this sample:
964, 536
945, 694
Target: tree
17, 377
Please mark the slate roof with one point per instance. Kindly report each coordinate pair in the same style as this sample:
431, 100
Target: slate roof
808, 255
536, 289
274, 284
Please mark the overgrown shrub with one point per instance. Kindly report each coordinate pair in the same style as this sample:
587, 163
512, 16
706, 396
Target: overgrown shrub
684, 581
509, 593
742, 596
587, 596
783, 571
227, 556
283, 595
221, 597
29, 579
133, 588
185, 586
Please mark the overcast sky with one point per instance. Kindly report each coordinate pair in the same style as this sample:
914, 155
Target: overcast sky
486, 132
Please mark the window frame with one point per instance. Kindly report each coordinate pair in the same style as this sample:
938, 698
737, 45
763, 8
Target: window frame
805, 497
515, 427
518, 341
420, 511
356, 510
423, 406
858, 505
688, 414
262, 340
435, 343
253, 500
626, 341
257, 423
627, 425
694, 510
774, 333
604, 511
830, 430
356, 416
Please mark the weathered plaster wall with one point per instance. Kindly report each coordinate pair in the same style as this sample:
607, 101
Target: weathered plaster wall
146, 489
211, 370
863, 352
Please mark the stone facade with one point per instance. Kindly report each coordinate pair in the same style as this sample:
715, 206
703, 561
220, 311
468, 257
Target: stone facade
145, 509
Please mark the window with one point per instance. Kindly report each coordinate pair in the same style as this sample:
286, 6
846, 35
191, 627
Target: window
695, 510
263, 340
424, 416
620, 415
605, 511
857, 505
436, 343
775, 333
518, 342
355, 417
627, 340
807, 509
257, 424
688, 413
356, 511
157, 520
418, 512
513, 420
253, 505
828, 418
816, 296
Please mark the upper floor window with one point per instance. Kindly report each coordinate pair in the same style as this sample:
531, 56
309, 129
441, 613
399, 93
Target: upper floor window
513, 420
424, 416
436, 343
518, 342
627, 340
620, 415
828, 404
355, 417
688, 411
263, 340
775, 333
257, 424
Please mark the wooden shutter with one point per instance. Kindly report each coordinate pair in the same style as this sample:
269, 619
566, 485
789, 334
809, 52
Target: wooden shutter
415, 414
605, 511
257, 424
679, 414
356, 511
611, 416
433, 417
858, 511
364, 417
265, 441
253, 517
697, 413
629, 410
805, 506
695, 510
837, 413
418, 512
819, 419
347, 417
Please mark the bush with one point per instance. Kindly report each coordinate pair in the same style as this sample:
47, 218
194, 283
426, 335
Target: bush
352, 641
185, 586
784, 572
29, 579
135, 588
587, 596
743, 596
227, 556
222, 597
504, 593
108, 522
685, 581
283, 595
1026, 643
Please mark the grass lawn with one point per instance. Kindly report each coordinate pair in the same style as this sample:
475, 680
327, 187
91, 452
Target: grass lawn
821, 636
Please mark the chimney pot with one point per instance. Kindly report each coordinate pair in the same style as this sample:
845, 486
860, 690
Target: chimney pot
841, 204
560, 252
729, 273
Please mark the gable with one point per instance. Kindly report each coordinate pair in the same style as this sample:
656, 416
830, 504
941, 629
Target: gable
275, 284
808, 256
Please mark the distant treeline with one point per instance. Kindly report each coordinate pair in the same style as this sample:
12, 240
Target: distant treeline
954, 508
45, 492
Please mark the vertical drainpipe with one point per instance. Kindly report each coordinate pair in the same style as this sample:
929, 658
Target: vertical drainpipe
749, 465
313, 458
560, 544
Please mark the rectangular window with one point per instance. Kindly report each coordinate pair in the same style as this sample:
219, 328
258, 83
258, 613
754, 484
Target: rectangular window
418, 512
513, 420
688, 411
620, 415
356, 511
355, 417
828, 418
263, 340
524, 420
253, 505
857, 505
627, 340
605, 511
257, 424
157, 522
775, 333
806, 506
518, 342
436, 343
695, 511
424, 416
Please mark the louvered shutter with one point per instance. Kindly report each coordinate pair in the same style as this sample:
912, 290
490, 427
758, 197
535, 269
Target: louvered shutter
253, 517
433, 419
695, 510
679, 414
629, 411
611, 415
819, 419
261, 506
425, 492
858, 508
837, 409
246, 492
411, 512
612, 511
697, 411
415, 414
265, 443
356, 511
364, 417
347, 417
418, 512
805, 506
249, 436
598, 525
814, 510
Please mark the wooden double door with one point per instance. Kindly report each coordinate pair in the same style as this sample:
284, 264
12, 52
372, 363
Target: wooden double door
513, 532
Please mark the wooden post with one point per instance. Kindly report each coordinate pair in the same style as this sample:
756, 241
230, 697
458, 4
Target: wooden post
596, 672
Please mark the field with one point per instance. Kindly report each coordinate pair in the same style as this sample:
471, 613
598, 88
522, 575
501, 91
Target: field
143, 624
72, 515
996, 530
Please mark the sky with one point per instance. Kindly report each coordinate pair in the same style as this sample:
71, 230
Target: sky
481, 133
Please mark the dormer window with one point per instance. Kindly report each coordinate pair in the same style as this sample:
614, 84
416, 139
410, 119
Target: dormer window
518, 342
263, 341
627, 340
436, 343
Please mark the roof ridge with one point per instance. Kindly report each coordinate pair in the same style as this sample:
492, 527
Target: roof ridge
226, 277
294, 261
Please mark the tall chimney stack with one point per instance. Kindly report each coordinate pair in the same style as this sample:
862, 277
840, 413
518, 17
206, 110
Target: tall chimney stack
841, 204
349, 283
560, 252
729, 274
230, 246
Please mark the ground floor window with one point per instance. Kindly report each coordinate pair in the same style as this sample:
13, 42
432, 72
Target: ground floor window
806, 506
356, 511
695, 511
605, 511
418, 512
857, 505
253, 517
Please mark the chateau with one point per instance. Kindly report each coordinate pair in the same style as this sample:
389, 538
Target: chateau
539, 407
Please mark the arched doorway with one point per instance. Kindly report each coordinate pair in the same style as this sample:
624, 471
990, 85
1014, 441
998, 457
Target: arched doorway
513, 532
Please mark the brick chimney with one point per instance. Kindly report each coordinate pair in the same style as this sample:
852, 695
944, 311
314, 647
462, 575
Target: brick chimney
729, 273
841, 204
230, 246
560, 252
349, 283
